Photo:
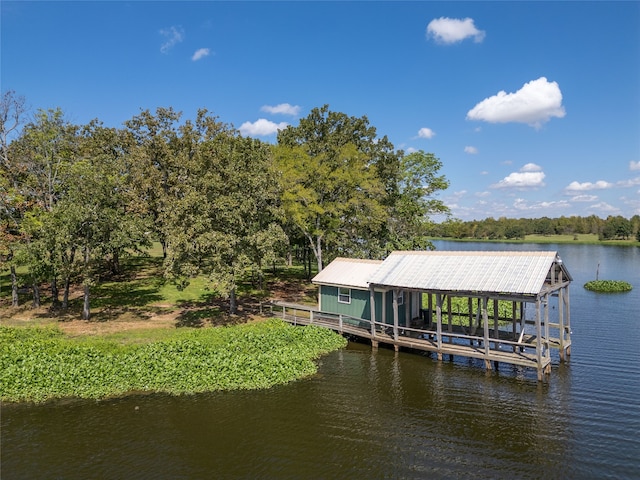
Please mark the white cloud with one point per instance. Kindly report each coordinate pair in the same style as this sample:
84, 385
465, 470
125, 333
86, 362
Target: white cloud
603, 207
584, 198
522, 204
452, 30
200, 53
529, 177
470, 150
282, 108
261, 127
411, 150
426, 133
535, 103
575, 187
483, 194
632, 182
173, 35
531, 167
634, 165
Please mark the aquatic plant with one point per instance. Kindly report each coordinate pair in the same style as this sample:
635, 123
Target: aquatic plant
39, 364
608, 286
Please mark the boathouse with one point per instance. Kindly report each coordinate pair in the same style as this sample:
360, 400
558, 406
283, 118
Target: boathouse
343, 288
515, 305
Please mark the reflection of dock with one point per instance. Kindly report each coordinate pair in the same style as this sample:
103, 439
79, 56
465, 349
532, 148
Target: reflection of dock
515, 347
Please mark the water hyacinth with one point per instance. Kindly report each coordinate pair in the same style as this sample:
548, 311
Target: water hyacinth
608, 286
39, 364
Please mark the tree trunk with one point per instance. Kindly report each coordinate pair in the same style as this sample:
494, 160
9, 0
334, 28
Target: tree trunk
115, 263
36, 295
232, 301
14, 287
86, 313
65, 294
55, 295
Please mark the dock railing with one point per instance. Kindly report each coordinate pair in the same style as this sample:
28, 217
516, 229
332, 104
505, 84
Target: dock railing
307, 315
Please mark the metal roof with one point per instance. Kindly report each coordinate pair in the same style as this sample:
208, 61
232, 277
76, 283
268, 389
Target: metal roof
522, 273
348, 272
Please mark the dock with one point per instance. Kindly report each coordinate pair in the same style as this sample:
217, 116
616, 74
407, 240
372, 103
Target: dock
515, 347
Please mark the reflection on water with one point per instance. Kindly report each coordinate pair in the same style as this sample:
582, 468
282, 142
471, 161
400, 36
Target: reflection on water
375, 414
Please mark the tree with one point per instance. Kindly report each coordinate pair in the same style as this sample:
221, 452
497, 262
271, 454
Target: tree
409, 220
40, 158
154, 152
333, 201
12, 201
95, 212
616, 227
340, 181
224, 217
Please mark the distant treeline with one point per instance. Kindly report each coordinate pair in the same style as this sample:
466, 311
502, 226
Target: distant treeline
611, 228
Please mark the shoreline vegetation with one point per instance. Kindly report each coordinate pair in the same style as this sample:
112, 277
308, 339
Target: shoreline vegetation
41, 364
574, 239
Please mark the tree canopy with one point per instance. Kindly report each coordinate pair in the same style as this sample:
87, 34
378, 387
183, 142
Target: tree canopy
76, 198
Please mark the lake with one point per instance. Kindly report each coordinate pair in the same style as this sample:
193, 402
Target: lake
377, 414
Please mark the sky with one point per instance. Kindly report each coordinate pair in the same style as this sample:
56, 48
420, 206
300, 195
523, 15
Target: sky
533, 108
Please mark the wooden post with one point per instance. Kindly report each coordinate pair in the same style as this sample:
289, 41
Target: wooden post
407, 308
513, 320
561, 331
449, 316
439, 323
395, 314
340, 322
384, 307
372, 310
547, 352
568, 322
496, 326
538, 340
485, 321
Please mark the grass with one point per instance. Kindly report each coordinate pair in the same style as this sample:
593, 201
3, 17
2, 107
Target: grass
141, 295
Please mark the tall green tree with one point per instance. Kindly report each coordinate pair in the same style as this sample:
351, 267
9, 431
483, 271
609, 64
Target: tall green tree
155, 152
416, 201
95, 213
41, 157
224, 217
12, 200
350, 192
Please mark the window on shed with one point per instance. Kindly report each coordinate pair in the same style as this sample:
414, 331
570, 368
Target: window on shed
344, 295
401, 297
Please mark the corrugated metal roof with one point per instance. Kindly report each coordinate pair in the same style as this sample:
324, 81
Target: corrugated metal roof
499, 272
348, 272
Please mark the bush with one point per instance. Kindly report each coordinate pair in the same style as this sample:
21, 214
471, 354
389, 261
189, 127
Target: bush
608, 286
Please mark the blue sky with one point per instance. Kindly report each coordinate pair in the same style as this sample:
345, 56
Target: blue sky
533, 108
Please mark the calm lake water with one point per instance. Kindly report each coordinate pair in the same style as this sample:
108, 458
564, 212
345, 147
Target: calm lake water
376, 414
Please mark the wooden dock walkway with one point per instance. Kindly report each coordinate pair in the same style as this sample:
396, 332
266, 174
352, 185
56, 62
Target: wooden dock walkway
521, 349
